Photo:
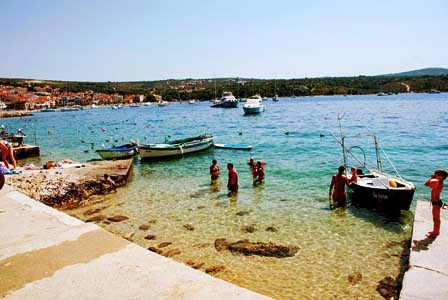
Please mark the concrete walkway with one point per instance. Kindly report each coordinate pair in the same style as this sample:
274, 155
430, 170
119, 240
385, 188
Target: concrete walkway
46, 254
427, 278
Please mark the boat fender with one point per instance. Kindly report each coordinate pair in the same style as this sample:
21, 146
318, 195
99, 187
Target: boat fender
393, 183
181, 150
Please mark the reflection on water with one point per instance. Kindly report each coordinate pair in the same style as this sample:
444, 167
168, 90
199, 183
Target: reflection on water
290, 208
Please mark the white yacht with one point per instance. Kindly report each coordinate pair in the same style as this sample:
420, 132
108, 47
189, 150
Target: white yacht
227, 101
254, 105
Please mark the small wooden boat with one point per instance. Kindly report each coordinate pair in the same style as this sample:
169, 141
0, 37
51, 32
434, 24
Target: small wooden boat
176, 147
234, 146
120, 152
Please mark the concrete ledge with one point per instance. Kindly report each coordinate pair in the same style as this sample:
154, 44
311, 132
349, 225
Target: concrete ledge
46, 254
427, 277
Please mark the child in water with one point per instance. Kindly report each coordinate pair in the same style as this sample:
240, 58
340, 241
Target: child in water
214, 170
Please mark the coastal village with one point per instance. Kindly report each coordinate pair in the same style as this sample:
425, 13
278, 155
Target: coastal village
36, 98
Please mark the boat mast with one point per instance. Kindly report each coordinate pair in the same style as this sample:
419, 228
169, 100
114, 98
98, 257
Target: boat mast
378, 158
344, 155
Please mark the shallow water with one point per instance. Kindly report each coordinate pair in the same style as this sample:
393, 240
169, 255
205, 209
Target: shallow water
334, 244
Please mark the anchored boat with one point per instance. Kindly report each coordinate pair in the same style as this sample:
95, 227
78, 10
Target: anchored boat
176, 147
120, 152
376, 189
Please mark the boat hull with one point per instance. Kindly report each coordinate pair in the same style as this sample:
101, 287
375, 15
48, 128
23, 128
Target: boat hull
229, 104
167, 150
382, 197
253, 110
116, 154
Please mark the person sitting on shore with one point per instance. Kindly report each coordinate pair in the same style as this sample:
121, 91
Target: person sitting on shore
260, 174
7, 152
338, 181
214, 170
111, 183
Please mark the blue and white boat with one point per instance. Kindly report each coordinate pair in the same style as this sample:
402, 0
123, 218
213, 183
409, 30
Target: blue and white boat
119, 152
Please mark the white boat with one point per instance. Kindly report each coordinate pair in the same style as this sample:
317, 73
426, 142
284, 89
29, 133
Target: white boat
117, 106
163, 103
228, 100
192, 101
254, 105
381, 94
120, 152
48, 110
275, 98
176, 148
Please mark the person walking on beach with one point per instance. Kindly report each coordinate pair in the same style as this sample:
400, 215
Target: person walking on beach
232, 183
435, 182
338, 181
260, 174
214, 170
7, 152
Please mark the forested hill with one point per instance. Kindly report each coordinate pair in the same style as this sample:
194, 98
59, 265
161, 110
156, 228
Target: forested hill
421, 72
206, 89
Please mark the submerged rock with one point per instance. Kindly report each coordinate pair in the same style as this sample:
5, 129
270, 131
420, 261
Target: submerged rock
195, 265
388, 288
117, 218
143, 227
214, 269
91, 211
171, 253
154, 249
258, 248
164, 244
355, 278
242, 213
188, 227
150, 237
248, 229
97, 218
271, 229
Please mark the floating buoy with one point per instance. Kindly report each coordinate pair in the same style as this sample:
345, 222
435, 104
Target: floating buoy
49, 131
240, 133
104, 129
86, 151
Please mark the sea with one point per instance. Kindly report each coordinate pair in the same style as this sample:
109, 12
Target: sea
343, 253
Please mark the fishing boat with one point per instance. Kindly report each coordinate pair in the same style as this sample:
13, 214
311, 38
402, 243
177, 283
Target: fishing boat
119, 152
376, 189
176, 147
254, 105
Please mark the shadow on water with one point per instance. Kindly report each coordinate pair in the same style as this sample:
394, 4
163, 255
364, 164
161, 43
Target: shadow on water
392, 222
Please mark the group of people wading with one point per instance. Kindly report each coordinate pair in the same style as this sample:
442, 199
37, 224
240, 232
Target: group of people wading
435, 183
257, 170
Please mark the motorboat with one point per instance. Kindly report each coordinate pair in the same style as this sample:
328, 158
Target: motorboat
275, 98
254, 105
192, 101
163, 103
119, 152
176, 147
227, 101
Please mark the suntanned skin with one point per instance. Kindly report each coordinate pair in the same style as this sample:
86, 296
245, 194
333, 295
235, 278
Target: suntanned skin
232, 183
435, 182
338, 182
214, 170
259, 173
7, 151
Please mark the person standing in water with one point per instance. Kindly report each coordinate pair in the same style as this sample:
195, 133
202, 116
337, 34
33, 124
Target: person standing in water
435, 182
232, 183
214, 170
338, 181
260, 173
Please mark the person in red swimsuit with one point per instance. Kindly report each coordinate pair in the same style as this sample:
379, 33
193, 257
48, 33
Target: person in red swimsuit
338, 182
435, 182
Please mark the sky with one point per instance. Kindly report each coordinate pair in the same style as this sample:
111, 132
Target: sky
99, 40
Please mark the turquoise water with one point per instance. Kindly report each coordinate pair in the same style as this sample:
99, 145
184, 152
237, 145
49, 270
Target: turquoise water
412, 128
